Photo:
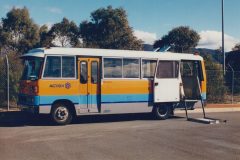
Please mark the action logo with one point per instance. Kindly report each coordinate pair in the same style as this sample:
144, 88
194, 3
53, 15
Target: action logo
67, 85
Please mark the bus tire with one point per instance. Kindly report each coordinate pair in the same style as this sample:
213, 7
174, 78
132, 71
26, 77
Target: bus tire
161, 112
61, 114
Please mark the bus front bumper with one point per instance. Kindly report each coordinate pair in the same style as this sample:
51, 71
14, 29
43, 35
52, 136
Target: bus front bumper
29, 108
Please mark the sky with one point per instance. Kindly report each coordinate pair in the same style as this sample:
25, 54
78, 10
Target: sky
150, 19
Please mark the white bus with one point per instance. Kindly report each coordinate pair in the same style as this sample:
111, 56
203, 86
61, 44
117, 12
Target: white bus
68, 82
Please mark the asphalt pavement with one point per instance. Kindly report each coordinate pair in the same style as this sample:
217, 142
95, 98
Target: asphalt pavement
120, 137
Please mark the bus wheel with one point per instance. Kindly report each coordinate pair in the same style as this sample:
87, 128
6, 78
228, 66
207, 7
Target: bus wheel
161, 112
61, 115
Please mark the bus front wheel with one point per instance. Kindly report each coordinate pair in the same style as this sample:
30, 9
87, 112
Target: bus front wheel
61, 114
161, 111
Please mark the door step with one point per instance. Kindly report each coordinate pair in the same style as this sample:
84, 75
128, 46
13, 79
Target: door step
207, 120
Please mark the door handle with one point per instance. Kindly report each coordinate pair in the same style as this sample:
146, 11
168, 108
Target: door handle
156, 84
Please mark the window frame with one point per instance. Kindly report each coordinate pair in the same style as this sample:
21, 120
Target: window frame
103, 71
86, 71
75, 70
97, 71
63, 78
122, 78
199, 69
178, 73
139, 68
150, 59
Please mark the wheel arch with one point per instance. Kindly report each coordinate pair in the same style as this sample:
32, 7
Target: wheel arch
168, 105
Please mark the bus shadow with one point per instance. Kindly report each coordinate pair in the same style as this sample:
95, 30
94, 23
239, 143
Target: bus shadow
116, 118
112, 118
21, 119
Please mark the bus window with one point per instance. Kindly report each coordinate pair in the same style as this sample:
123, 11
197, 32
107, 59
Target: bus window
148, 68
68, 67
94, 72
192, 69
83, 72
60, 67
187, 68
112, 67
167, 69
53, 67
131, 68
32, 67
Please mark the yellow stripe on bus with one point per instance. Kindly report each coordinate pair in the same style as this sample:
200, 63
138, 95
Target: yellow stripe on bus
126, 87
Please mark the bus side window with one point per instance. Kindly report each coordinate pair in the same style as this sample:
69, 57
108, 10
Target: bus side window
83, 72
167, 69
68, 67
187, 69
94, 72
192, 69
148, 68
131, 68
113, 67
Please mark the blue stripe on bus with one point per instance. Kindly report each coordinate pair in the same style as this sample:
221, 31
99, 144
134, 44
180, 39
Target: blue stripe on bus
94, 99
204, 96
118, 98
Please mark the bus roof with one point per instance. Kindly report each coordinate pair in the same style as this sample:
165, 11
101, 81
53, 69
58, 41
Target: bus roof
41, 52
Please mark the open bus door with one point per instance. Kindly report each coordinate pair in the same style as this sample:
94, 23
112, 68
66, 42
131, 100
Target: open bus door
192, 75
167, 82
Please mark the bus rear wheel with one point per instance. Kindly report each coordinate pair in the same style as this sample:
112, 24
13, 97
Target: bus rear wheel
61, 114
161, 111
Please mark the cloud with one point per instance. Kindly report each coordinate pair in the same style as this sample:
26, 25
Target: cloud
54, 10
147, 37
213, 40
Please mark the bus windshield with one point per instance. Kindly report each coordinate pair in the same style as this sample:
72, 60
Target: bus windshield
32, 66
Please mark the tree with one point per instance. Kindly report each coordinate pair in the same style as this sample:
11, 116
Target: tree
65, 34
216, 89
3, 38
219, 55
182, 39
19, 30
236, 47
232, 63
15, 72
233, 59
45, 37
109, 28
3, 41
